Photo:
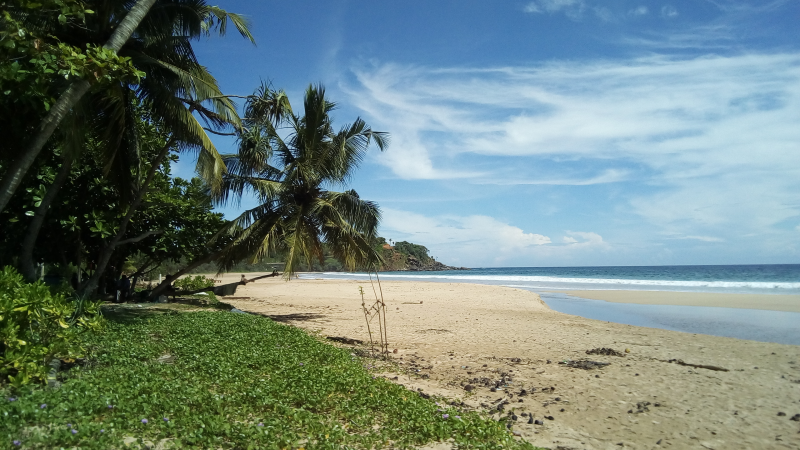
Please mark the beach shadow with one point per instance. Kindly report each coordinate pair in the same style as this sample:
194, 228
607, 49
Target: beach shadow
130, 312
295, 317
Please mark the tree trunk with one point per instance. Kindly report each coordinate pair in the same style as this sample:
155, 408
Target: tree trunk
192, 265
28, 243
65, 102
140, 272
105, 254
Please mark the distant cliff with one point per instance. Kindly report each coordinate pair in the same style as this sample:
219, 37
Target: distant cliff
415, 265
411, 257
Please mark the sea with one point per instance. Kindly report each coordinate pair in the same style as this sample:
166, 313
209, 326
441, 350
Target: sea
552, 282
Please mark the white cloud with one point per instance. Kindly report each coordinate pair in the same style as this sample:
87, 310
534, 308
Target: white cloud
573, 9
702, 238
576, 9
532, 7
607, 176
584, 239
708, 146
604, 14
482, 240
669, 12
639, 11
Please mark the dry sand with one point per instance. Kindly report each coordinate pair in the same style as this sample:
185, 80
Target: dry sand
449, 335
788, 303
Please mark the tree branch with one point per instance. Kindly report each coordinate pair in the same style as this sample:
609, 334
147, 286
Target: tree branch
140, 237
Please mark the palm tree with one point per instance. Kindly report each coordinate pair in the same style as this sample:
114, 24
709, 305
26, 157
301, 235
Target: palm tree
176, 90
298, 214
65, 102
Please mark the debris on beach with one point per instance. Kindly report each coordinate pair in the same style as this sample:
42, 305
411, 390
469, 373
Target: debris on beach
584, 364
697, 366
641, 407
604, 351
345, 340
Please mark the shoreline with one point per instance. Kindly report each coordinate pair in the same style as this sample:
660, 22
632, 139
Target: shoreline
767, 302
451, 335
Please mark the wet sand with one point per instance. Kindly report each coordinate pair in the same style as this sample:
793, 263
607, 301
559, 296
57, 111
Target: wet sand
450, 335
787, 303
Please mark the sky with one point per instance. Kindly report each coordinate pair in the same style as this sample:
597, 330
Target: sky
552, 132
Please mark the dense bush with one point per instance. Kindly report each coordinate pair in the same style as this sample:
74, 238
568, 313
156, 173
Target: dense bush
194, 283
36, 326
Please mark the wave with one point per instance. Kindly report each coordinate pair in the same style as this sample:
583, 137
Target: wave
607, 283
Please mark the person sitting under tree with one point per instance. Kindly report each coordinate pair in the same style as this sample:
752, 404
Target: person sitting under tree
123, 288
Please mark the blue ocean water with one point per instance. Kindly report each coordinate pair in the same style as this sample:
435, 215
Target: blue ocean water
744, 279
760, 325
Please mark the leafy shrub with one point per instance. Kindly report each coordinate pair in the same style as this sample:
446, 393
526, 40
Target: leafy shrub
194, 283
36, 326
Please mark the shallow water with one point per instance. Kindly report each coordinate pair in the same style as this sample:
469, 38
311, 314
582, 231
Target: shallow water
756, 325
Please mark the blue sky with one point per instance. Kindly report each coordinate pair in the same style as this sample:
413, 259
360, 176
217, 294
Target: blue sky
554, 132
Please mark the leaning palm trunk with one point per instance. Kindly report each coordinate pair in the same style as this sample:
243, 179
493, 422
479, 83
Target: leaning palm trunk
191, 266
29, 241
64, 104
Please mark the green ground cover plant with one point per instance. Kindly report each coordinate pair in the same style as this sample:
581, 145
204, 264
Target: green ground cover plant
226, 380
37, 325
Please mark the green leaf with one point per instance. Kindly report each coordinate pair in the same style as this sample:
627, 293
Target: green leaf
29, 213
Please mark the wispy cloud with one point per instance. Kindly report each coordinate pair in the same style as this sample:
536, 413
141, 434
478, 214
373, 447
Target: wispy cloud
669, 12
749, 6
639, 11
483, 240
702, 238
607, 176
710, 142
577, 10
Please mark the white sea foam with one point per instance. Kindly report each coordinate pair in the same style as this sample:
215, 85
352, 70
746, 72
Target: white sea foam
599, 283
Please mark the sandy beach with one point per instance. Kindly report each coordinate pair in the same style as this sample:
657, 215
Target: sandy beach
460, 340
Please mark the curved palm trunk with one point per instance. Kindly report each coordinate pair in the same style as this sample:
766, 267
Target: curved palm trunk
161, 288
65, 102
28, 243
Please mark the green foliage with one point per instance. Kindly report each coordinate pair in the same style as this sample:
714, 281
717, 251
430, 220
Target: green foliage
291, 173
417, 251
42, 62
194, 283
224, 380
183, 212
35, 326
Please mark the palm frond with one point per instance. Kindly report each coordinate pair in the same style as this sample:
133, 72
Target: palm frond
216, 18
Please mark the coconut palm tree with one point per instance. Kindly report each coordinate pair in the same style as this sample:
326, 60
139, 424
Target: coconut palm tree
176, 90
292, 172
118, 25
12, 179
